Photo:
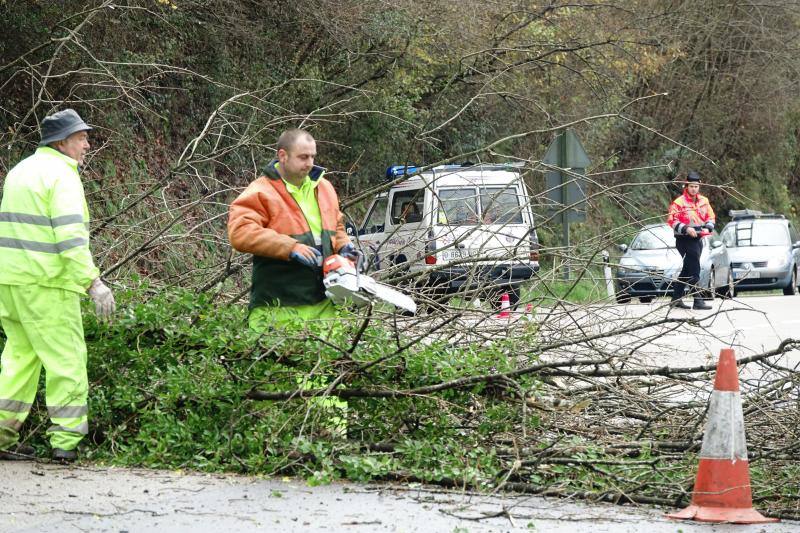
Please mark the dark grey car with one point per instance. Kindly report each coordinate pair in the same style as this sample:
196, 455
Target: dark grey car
764, 250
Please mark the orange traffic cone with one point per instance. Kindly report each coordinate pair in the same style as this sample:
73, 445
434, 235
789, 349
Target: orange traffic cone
505, 307
722, 488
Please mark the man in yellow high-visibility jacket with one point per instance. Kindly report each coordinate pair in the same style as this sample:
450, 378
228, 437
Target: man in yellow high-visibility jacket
45, 266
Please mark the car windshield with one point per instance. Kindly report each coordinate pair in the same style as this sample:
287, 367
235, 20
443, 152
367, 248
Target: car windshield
761, 233
657, 238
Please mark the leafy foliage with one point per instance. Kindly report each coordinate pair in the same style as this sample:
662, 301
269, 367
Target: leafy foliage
170, 379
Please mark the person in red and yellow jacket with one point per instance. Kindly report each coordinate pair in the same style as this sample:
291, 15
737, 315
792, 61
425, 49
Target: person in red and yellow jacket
289, 219
690, 215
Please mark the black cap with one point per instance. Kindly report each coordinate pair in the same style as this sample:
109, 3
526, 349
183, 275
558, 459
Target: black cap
693, 177
59, 126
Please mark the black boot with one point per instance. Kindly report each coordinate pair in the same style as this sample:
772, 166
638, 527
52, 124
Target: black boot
64, 456
18, 452
700, 305
678, 304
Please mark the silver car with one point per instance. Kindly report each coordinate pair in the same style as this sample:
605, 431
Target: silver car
651, 263
764, 251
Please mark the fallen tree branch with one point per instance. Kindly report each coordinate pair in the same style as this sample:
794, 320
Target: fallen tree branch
543, 368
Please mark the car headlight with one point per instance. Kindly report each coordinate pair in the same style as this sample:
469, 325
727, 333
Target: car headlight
777, 262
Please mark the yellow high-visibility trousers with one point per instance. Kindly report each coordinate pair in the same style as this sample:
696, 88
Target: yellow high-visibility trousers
266, 317
43, 327
276, 317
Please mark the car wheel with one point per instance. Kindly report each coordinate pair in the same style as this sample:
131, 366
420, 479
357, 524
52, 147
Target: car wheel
708, 294
728, 290
623, 297
646, 299
791, 289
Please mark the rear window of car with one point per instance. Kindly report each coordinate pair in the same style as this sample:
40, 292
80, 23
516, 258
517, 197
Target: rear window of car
657, 238
758, 233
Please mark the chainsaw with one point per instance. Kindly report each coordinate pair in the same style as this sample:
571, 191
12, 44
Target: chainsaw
345, 284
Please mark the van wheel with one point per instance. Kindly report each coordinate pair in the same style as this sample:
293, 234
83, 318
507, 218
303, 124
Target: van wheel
646, 299
433, 304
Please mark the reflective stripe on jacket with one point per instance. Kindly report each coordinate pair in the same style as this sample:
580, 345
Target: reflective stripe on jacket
266, 221
44, 224
685, 212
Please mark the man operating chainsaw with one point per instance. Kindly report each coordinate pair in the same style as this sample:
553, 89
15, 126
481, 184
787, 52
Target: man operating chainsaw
289, 219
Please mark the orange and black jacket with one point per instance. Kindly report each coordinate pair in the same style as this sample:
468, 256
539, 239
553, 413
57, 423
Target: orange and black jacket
266, 221
685, 212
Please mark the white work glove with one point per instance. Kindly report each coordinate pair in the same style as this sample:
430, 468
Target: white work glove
104, 304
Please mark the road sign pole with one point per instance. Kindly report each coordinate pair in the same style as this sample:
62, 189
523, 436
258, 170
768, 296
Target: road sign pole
565, 240
566, 161
565, 226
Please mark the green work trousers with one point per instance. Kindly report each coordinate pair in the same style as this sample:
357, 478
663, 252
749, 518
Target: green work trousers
43, 327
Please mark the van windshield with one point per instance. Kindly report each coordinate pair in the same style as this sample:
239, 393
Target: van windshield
468, 207
500, 205
458, 207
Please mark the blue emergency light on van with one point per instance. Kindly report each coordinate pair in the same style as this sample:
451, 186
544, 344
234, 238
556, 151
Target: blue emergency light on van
399, 170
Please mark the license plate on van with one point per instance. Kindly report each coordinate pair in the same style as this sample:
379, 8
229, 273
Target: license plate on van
450, 255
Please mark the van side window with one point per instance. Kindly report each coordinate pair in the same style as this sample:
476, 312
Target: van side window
376, 219
500, 205
407, 206
458, 207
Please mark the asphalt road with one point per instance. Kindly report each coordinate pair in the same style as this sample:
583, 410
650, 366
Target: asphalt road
40, 497
748, 324
45, 498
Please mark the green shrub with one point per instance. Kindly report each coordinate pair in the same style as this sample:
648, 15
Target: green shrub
170, 379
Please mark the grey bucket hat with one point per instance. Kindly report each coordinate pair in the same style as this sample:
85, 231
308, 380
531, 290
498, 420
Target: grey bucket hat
59, 126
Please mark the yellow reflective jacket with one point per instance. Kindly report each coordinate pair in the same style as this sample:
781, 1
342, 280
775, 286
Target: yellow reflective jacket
44, 221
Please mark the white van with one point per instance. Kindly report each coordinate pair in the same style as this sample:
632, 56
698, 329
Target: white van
457, 227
